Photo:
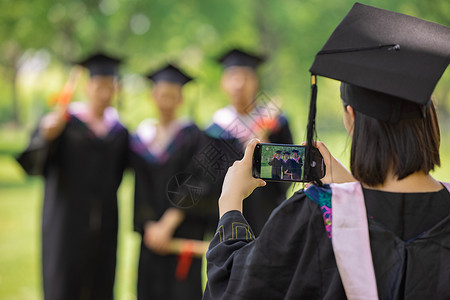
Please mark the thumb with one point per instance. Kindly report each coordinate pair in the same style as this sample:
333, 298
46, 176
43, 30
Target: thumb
260, 182
248, 155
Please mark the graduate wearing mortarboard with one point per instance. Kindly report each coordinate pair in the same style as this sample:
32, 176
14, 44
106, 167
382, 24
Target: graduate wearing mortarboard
245, 119
81, 151
379, 232
276, 163
163, 150
296, 165
287, 165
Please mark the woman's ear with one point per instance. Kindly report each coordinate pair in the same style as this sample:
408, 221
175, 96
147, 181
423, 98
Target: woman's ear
349, 119
351, 112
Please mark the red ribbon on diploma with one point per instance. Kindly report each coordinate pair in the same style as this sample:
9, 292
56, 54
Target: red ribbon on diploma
184, 260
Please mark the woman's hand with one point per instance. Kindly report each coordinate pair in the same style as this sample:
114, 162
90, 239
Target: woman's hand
239, 182
335, 170
52, 125
157, 235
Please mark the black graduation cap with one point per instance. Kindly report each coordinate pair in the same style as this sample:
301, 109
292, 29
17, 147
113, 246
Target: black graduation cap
386, 52
101, 64
237, 57
389, 64
169, 73
287, 152
278, 151
294, 151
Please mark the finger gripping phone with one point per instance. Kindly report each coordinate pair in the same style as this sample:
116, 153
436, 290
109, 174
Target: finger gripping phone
283, 162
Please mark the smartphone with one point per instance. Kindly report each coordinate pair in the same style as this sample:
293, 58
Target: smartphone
283, 162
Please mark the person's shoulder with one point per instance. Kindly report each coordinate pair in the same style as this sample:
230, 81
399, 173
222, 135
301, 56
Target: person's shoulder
224, 114
146, 124
214, 131
112, 118
298, 196
220, 118
318, 193
188, 125
306, 201
446, 187
217, 132
146, 130
295, 216
300, 199
136, 145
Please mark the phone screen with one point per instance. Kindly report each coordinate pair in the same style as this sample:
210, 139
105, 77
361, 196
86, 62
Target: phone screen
282, 162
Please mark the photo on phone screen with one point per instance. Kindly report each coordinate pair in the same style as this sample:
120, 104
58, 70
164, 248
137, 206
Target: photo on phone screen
282, 162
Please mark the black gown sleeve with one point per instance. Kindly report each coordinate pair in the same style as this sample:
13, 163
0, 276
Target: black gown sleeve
38, 152
291, 259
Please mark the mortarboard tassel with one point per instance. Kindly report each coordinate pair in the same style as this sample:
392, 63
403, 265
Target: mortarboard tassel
311, 132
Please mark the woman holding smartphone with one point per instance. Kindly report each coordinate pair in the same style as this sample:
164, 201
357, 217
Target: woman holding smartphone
379, 232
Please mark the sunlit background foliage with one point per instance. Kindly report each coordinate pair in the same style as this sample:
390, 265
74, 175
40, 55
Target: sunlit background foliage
40, 40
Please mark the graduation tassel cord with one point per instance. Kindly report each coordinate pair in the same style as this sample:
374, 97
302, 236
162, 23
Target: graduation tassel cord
311, 131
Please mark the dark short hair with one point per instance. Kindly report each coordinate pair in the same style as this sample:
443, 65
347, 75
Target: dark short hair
406, 146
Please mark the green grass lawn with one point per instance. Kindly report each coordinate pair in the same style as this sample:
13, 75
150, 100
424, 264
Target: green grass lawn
266, 170
20, 240
20, 233
20, 217
128, 244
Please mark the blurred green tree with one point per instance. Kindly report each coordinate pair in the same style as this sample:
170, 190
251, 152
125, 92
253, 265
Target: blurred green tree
192, 32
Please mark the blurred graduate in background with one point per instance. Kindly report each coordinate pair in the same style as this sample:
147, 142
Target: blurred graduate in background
248, 117
167, 194
81, 151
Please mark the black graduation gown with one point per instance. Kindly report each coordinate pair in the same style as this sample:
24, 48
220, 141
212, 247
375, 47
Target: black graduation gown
296, 166
156, 274
287, 169
293, 257
80, 218
276, 168
259, 205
